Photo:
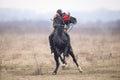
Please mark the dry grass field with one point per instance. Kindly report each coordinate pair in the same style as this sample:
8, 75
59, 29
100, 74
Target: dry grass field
27, 57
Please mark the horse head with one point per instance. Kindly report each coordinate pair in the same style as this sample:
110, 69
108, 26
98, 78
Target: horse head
73, 20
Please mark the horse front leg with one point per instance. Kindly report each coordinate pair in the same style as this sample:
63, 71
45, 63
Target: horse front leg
75, 61
56, 57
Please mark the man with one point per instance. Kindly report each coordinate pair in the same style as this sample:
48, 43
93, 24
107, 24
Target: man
57, 20
66, 19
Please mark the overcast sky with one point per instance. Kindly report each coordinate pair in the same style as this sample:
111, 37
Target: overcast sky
44, 6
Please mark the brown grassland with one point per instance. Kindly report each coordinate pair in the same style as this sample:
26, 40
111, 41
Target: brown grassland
26, 56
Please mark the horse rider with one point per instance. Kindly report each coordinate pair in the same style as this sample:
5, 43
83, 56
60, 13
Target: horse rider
66, 19
57, 20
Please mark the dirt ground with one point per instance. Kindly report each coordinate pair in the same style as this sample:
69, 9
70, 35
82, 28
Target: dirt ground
28, 57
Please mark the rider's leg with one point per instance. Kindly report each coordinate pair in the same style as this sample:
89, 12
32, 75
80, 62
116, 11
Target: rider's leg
51, 41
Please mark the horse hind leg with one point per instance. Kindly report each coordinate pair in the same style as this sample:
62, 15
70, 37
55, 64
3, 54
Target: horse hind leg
75, 61
56, 57
63, 61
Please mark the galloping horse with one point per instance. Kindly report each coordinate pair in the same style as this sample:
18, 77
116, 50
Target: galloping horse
61, 43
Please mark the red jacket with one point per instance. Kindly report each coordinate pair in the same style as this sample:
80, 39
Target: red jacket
66, 17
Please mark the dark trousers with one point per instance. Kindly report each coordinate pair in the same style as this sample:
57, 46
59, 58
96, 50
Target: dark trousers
51, 41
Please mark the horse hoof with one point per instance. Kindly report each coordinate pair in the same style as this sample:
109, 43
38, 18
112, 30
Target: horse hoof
80, 69
63, 66
54, 73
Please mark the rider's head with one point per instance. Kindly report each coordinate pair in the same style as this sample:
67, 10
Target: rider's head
59, 11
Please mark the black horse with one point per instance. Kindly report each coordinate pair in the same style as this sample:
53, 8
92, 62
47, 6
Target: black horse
61, 43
